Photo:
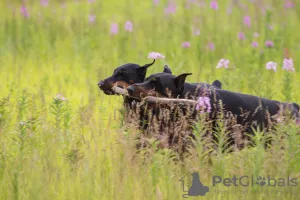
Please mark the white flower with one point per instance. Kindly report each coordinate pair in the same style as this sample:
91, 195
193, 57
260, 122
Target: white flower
271, 66
60, 97
155, 55
223, 63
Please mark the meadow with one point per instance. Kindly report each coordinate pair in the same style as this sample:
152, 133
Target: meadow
63, 138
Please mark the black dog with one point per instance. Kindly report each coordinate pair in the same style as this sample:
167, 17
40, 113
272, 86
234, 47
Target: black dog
131, 73
250, 111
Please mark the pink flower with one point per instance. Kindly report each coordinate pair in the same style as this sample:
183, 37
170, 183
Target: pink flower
91, 1
203, 104
289, 4
241, 36
223, 63
44, 2
269, 43
186, 44
214, 5
128, 26
92, 18
155, 55
247, 21
24, 11
254, 44
288, 64
271, 66
171, 8
211, 46
196, 31
155, 2
114, 29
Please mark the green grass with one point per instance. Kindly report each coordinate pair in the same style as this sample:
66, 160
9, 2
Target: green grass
77, 149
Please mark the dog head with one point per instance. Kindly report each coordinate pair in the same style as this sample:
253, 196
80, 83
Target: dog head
160, 85
124, 76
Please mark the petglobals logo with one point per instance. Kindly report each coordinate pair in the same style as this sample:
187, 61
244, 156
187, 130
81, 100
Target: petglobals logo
247, 181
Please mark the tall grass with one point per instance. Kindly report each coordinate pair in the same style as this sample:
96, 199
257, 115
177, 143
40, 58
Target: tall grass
78, 149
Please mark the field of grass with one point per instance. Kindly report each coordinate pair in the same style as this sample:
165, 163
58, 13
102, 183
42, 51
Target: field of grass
78, 149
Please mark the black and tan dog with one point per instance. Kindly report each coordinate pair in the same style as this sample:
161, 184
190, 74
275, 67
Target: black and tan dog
130, 73
250, 111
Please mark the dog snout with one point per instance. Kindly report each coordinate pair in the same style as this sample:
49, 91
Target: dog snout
131, 89
100, 84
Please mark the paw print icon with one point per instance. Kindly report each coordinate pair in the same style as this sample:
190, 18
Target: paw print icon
261, 181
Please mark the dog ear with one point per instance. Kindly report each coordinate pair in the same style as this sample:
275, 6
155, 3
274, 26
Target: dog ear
143, 69
180, 79
217, 84
148, 65
167, 69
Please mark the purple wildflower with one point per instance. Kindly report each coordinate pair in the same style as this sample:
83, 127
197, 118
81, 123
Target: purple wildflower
254, 44
214, 5
171, 8
271, 66
289, 4
269, 43
128, 26
288, 64
44, 2
211, 46
91, 1
92, 18
186, 44
24, 11
155, 2
203, 104
241, 36
247, 21
196, 31
114, 29
155, 55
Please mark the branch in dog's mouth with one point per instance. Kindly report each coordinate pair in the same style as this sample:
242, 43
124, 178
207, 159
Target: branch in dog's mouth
152, 99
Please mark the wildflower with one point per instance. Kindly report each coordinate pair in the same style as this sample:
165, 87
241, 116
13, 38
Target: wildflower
247, 21
223, 63
289, 4
186, 44
203, 104
241, 36
60, 97
24, 11
155, 2
92, 18
114, 29
269, 43
288, 64
155, 55
254, 44
22, 123
91, 1
214, 5
44, 2
171, 8
196, 31
211, 46
128, 26
271, 66
255, 34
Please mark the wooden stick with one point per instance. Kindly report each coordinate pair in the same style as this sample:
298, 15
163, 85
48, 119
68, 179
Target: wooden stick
152, 99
